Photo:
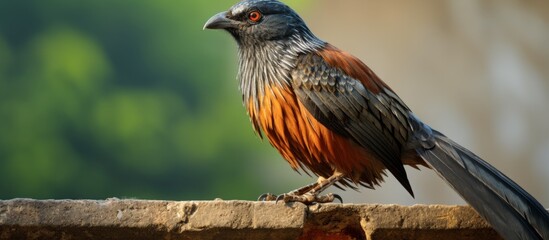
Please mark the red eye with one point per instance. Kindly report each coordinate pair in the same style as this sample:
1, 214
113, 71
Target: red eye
255, 16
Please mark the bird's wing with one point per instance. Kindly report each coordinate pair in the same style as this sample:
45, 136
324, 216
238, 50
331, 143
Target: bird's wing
347, 97
343, 94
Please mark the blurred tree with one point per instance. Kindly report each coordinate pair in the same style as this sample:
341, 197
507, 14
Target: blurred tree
121, 98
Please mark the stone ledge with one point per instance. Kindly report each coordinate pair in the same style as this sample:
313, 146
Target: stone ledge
140, 219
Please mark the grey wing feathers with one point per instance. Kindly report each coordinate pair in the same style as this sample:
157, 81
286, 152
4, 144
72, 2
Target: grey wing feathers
344, 105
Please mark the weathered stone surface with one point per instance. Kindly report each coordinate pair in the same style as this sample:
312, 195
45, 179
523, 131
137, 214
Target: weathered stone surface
139, 219
353, 221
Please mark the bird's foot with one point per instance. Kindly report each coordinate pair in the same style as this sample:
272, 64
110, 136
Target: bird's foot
308, 194
307, 198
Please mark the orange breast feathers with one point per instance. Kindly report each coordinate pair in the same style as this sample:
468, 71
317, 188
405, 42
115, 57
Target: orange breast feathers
304, 142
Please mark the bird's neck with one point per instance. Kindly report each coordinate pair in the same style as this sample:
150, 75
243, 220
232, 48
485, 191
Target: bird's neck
267, 63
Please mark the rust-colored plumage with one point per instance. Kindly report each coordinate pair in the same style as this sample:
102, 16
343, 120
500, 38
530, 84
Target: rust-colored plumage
305, 142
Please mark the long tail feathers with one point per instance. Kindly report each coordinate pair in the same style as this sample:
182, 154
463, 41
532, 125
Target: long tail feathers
510, 210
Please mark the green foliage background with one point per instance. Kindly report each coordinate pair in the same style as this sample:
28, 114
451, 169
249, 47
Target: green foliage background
124, 98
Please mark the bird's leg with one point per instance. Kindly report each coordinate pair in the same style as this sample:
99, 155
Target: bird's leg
309, 193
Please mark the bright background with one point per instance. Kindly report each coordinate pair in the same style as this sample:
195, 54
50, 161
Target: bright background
131, 99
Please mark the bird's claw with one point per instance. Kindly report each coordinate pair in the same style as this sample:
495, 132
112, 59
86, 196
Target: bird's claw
280, 197
267, 197
336, 196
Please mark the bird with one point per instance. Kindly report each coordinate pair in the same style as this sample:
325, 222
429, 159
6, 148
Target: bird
328, 113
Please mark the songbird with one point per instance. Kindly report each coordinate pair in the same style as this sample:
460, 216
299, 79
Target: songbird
326, 112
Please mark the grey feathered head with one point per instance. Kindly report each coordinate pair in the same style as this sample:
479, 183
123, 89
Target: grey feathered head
259, 20
270, 36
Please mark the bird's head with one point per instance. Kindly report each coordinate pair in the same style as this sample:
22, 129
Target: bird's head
259, 20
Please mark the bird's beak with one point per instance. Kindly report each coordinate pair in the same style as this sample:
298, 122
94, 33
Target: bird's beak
219, 21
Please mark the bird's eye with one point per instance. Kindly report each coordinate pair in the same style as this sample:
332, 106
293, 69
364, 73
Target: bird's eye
255, 16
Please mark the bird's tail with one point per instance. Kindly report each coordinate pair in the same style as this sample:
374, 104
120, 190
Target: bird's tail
510, 210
